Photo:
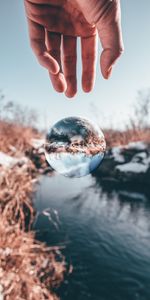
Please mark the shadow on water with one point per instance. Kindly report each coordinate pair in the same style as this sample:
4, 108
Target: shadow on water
106, 234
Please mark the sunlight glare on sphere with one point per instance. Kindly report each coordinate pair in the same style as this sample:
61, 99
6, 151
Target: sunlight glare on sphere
74, 147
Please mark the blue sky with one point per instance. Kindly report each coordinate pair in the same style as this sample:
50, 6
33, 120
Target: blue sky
24, 81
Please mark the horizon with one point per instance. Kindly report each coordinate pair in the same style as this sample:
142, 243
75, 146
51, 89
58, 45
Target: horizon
24, 81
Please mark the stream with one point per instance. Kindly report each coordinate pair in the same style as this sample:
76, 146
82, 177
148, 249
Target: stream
106, 235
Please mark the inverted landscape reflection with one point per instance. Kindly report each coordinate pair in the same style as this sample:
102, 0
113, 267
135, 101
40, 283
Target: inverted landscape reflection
74, 147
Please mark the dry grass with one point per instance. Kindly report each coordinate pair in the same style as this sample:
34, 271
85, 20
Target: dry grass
15, 137
16, 187
28, 269
116, 138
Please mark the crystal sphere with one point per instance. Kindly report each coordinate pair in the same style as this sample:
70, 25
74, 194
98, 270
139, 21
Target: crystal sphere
74, 147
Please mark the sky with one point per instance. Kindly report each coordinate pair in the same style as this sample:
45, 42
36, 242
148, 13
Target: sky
24, 81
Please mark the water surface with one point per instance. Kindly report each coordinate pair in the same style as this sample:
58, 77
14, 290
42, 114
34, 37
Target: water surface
106, 234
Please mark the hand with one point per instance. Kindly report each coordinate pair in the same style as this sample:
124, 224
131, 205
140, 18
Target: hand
53, 28
49, 19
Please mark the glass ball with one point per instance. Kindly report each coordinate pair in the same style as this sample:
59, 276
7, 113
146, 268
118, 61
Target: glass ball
74, 147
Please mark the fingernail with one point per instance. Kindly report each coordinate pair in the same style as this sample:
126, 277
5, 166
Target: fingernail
109, 72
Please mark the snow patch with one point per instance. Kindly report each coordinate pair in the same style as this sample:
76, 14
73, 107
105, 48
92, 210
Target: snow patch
9, 161
140, 162
133, 167
116, 153
37, 143
141, 155
137, 145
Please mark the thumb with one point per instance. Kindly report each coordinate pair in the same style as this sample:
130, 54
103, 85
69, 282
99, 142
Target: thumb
109, 30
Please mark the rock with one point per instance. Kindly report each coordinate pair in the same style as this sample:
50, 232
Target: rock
134, 148
112, 158
136, 169
47, 170
129, 164
138, 146
107, 166
118, 155
133, 168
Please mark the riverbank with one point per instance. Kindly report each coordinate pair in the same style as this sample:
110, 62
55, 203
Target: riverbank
28, 268
127, 167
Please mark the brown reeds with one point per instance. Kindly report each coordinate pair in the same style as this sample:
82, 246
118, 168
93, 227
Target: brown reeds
118, 137
29, 270
15, 138
16, 187
92, 146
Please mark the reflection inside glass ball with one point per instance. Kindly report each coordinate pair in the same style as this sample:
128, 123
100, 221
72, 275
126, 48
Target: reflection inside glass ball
74, 147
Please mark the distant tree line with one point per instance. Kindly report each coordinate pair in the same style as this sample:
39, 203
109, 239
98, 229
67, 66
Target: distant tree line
12, 112
141, 116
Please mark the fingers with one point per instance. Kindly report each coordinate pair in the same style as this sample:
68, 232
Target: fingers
53, 42
37, 41
89, 51
69, 58
110, 35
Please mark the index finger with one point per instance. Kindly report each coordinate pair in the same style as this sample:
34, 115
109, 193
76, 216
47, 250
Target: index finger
37, 41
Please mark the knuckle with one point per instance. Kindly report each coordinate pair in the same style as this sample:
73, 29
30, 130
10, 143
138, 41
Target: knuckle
69, 59
119, 51
106, 11
71, 78
89, 56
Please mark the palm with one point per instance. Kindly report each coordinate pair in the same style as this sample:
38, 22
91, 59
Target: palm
54, 26
62, 18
